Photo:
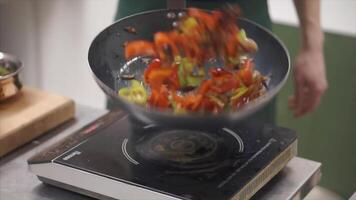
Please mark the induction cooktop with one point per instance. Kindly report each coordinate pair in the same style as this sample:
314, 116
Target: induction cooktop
117, 157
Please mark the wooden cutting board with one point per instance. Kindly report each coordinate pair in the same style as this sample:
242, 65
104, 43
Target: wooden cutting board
30, 114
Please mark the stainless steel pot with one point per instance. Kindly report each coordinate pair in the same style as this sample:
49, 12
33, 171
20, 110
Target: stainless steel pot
10, 84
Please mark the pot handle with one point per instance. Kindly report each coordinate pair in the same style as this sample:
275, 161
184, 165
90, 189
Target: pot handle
176, 4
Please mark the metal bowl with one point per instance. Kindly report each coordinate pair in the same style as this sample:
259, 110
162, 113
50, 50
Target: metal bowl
10, 84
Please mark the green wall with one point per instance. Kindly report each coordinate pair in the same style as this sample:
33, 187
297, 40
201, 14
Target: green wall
329, 134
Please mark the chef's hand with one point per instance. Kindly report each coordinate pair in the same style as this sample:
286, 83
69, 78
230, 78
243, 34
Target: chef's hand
310, 81
309, 69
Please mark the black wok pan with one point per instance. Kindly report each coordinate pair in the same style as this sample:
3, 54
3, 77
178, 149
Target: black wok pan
107, 61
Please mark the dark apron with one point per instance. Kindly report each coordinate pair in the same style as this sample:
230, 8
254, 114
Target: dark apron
255, 10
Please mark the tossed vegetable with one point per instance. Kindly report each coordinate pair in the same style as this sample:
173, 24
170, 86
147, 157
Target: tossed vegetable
198, 37
136, 93
176, 78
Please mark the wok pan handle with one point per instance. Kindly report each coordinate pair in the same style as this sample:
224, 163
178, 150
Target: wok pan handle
176, 4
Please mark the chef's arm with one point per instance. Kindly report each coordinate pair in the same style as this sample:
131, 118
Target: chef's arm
309, 19
310, 81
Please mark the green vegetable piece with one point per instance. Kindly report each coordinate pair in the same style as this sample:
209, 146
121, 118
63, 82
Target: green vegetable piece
241, 35
234, 61
181, 75
246, 42
201, 72
125, 93
188, 65
186, 68
215, 99
135, 84
239, 92
136, 93
4, 71
139, 96
188, 24
193, 81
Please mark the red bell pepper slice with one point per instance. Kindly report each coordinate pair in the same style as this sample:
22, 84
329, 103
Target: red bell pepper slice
246, 73
204, 87
219, 72
159, 97
224, 84
139, 48
155, 75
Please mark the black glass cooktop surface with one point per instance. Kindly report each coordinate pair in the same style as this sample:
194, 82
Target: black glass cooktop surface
209, 164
